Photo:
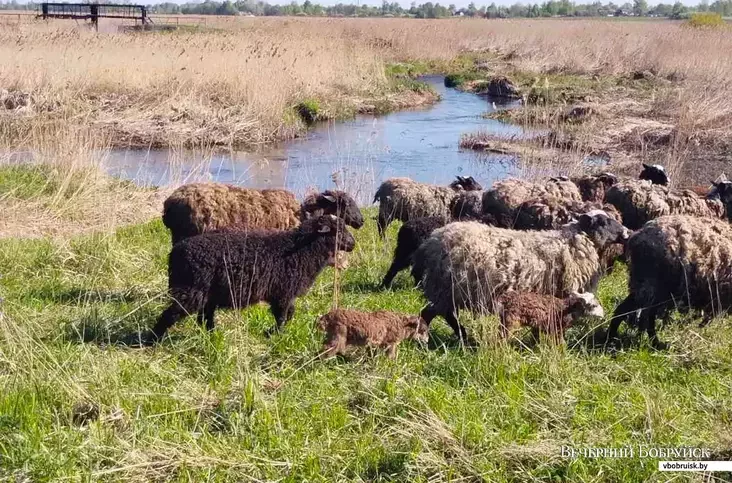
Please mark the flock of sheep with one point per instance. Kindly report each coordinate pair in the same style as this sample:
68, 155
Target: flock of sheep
531, 252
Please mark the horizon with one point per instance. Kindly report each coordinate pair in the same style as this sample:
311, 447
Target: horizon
405, 5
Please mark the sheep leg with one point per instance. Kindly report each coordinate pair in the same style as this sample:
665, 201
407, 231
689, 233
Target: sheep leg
282, 312
649, 324
382, 223
428, 313
397, 266
170, 316
620, 314
391, 351
452, 320
208, 313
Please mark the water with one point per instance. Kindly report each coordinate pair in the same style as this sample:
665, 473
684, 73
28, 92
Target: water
355, 155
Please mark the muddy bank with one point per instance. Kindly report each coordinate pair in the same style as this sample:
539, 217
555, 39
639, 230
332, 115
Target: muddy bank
618, 121
132, 120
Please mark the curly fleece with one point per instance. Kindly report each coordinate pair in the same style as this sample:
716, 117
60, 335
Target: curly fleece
468, 264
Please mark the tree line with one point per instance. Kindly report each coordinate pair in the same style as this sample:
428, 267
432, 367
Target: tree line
551, 8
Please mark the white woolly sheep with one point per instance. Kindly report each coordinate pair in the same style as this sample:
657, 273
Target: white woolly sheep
640, 201
404, 199
465, 265
503, 200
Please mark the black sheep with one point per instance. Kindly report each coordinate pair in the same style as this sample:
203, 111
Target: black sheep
238, 269
410, 237
655, 173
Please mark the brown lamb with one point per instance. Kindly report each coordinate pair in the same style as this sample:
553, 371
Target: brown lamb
383, 329
544, 313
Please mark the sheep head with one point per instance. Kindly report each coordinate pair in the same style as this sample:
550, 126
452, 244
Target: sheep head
585, 305
468, 183
338, 203
333, 229
602, 229
417, 329
655, 173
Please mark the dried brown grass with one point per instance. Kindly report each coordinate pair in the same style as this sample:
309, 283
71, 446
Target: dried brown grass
168, 88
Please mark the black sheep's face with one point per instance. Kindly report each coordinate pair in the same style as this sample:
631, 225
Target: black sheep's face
607, 179
655, 173
334, 229
724, 190
465, 184
602, 229
340, 203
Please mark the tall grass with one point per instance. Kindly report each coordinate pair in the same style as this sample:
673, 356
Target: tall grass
240, 83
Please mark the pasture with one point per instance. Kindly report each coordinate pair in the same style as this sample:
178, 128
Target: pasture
83, 261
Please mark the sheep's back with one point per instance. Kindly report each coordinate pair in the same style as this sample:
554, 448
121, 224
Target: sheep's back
638, 201
410, 199
681, 256
506, 196
472, 263
214, 206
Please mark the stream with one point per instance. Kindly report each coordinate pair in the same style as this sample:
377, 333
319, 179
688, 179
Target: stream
356, 155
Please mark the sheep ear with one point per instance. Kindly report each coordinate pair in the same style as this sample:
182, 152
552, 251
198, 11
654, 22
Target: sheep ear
647, 166
329, 198
460, 178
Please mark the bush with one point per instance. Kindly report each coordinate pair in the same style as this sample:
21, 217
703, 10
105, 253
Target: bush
704, 20
309, 109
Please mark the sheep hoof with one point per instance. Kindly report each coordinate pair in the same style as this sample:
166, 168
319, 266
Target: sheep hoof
659, 346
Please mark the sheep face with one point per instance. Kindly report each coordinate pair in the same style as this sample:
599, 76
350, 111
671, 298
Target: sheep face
332, 229
465, 184
655, 173
602, 229
607, 179
341, 204
585, 305
417, 329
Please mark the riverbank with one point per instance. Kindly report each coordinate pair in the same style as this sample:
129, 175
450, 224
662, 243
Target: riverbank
223, 88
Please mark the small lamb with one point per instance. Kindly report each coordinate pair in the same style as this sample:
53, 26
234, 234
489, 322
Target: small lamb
384, 329
544, 313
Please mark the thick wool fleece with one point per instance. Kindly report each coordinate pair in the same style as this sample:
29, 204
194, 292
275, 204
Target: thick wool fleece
468, 264
197, 208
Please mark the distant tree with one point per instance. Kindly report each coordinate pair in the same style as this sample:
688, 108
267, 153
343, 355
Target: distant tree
678, 11
640, 7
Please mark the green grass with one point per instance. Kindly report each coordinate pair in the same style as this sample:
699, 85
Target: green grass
233, 405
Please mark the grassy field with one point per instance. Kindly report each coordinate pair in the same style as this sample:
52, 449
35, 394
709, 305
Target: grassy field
83, 261
233, 405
